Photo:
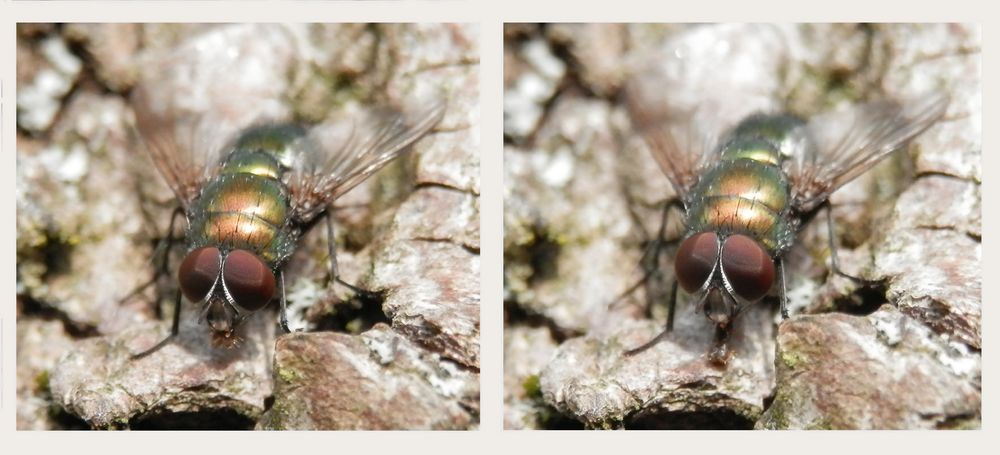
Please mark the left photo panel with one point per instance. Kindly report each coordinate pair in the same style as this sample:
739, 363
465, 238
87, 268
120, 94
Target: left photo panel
248, 226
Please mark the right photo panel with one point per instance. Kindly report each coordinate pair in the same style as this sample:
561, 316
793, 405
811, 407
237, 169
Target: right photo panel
742, 226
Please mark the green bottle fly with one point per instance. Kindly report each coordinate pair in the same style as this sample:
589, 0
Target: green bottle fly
247, 210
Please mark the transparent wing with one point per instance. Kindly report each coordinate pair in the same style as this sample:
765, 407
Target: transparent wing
677, 138
844, 144
182, 144
198, 94
689, 91
348, 152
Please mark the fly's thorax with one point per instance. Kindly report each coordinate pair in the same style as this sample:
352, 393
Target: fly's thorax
757, 181
245, 207
746, 192
733, 215
263, 198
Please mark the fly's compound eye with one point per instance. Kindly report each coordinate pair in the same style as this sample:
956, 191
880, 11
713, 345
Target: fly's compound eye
198, 272
249, 281
749, 269
696, 259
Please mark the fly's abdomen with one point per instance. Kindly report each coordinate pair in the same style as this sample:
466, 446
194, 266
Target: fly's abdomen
745, 193
245, 207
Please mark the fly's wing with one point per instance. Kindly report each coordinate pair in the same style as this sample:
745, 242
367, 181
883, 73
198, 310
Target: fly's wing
686, 92
676, 137
344, 154
181, 144
844, 144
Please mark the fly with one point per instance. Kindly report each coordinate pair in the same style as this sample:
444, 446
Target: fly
745, 198
248, 203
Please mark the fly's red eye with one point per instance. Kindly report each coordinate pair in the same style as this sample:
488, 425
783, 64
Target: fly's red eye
749, 269
198, 272
249, 281
695, 260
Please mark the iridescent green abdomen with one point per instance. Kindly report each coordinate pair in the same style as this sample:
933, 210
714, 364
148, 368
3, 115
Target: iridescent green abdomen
246, 206
746, 192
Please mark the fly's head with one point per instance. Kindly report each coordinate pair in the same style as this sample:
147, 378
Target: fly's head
726, 273
229, 285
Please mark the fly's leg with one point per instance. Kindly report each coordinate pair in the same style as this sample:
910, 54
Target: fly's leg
164, 267
175, 329
835, 262
650, 268
283, 307
672, 305
334, 272
784, 289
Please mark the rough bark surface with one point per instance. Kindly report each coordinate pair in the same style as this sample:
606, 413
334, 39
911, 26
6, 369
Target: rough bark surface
583, 198
92, 208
